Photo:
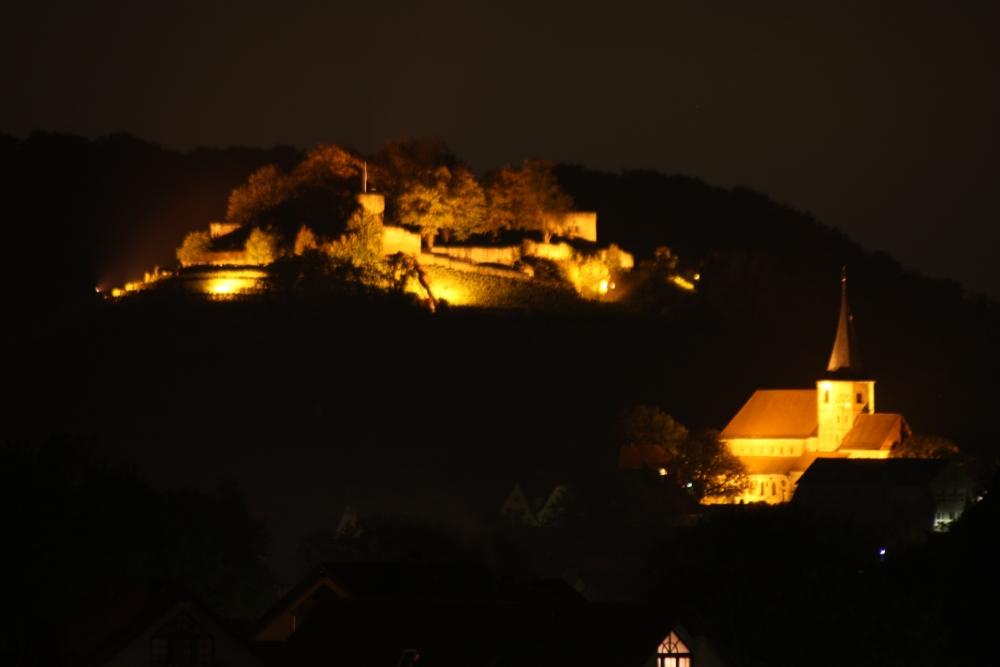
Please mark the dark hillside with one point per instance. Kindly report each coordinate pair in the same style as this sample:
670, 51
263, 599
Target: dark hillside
311, 402
75, 213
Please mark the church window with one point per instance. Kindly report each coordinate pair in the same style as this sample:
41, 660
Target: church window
673, 653
826, 396
762, 489
774, 489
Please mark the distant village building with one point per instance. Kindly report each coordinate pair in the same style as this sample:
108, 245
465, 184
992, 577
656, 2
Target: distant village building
780, 433
928, 493
538, 509
154, 623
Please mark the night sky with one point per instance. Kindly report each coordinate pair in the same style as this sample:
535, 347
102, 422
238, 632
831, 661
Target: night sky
882, 121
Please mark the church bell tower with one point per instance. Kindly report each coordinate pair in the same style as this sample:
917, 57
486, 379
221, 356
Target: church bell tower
844, 393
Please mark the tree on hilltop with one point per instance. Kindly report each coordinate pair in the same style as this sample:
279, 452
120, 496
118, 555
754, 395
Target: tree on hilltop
194, 247
319, 193
400, 165
920, 446
264, 190
527, 198
453, 205
700, 462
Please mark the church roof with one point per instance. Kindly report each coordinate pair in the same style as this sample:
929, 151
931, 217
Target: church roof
874, 432
845, 358
775, 413
782, 465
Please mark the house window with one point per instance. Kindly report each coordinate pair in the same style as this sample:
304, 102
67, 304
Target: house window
673, 653
859, 398
181, 642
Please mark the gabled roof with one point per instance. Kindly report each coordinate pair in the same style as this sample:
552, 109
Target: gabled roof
776, 413
875, 432
109, 623
430, 580
782, 465
873, 472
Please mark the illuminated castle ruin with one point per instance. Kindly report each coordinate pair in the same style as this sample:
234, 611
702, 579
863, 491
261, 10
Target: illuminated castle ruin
225, 264
780, 432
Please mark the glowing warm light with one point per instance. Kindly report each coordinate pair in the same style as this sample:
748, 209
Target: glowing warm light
603, 289
223, 286
117, 291
697, 276
682, 283
663, 472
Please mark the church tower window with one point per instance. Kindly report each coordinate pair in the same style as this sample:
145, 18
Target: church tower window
826, 396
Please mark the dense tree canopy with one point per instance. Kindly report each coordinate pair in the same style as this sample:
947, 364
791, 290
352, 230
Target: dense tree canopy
453, 205
920, 446
700, 462
527, 198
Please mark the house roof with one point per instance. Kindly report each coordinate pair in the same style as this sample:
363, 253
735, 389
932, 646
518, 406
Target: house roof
110, 622
776, 413
461, 632
432, 580
874, 432
873, 472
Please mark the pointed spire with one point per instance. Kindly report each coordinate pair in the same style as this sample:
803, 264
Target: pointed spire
845, 356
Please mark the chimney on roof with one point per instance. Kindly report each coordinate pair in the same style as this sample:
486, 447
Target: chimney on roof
845, 357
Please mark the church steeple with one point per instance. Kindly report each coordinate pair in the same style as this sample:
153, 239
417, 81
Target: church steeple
844, 393
845, 358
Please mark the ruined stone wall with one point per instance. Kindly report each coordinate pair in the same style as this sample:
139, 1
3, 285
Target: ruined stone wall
397, 239
579, 225
506, 255
225, 258
217, 229
437, 259
553, 251
372, 202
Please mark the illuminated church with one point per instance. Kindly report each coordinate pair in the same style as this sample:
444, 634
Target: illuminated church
780, 432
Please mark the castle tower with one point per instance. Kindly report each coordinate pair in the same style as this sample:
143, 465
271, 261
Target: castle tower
372, 203
844, 393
